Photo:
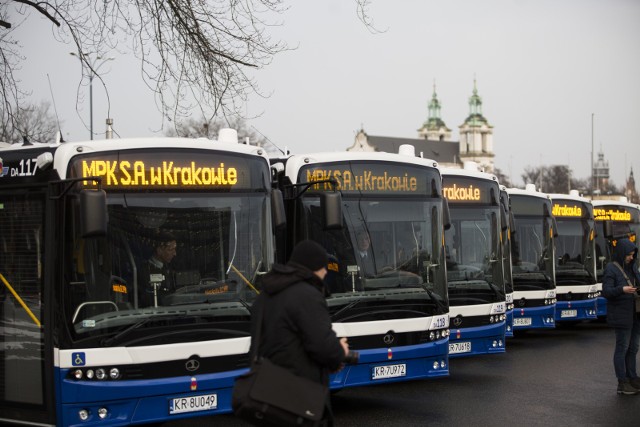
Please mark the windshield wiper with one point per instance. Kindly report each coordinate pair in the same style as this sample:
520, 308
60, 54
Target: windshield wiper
108, 342
433, 296
209, 299
354, 303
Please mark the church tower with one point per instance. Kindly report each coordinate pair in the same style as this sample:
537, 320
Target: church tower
434, 128
601, 173
476, 135
630, 189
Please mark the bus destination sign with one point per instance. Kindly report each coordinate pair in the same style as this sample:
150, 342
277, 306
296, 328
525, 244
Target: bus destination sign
611, 214
571, 209
174, 170
463, 190
379, 178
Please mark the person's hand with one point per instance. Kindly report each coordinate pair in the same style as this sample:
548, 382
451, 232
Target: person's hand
629, 289
345, 345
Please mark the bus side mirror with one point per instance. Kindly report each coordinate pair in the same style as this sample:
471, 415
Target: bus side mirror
446, 215
278, 215
93, 213
331, 203
607, 229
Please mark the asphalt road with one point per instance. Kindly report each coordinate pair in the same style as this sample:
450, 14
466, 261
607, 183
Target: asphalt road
561, 377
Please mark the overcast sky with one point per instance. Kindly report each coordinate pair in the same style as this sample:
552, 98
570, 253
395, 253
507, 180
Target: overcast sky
544, 70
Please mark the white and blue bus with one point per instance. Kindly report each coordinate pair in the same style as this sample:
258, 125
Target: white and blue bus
507, 259
96, 331
624, 219
533, 259
387, 268
576, 289
475, 275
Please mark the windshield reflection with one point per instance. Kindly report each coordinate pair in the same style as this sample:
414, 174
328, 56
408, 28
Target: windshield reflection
168, 257
388, 250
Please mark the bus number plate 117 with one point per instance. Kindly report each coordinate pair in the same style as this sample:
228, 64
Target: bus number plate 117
204, 402
389, 371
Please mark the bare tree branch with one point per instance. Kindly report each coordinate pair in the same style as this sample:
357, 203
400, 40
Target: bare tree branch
362, 9
39, 8
193, 53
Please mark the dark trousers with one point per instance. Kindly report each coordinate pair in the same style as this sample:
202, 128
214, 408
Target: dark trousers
626, 351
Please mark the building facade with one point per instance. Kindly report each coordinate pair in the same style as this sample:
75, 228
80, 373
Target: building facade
434, 138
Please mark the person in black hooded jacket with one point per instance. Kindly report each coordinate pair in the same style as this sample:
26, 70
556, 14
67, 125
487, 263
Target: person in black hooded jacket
621, 293
296, 330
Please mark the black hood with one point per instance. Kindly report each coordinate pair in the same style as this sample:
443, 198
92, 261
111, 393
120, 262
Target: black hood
283, 276
624, 247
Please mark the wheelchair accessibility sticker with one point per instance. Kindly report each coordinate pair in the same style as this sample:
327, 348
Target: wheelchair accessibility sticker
78, 359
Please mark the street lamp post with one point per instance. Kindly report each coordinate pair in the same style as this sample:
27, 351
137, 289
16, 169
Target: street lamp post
94, 65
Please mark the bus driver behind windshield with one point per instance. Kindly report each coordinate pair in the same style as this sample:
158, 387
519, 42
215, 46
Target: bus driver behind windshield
157, 279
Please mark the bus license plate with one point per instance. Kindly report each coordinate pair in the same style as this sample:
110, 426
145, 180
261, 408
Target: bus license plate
389, 371
568, 313
204, 402
522, 321
459, 347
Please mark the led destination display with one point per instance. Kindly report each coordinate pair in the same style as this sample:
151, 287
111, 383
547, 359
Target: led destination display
463, 190
570, 209
168, 169
378, 178
605, 213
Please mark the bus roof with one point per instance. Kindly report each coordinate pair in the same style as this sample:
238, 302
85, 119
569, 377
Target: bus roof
620, 203
468, 173
529, 191
574, 197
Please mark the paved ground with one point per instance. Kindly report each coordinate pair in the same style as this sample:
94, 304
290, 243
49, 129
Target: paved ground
562, 377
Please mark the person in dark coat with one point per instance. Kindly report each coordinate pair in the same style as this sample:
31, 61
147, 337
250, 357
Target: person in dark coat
296, 331
156, 279
621, 293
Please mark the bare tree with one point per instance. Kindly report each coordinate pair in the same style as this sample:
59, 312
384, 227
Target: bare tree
557, 178
193, 54
204, 128
532, 175
502, 178
33, 123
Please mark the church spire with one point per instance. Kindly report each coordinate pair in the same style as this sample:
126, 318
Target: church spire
434, 127
475, 108
434, 105
476, 134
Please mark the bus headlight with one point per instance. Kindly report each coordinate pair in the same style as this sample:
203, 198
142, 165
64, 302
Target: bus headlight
103, 413
77, 374
90, 374
435, 365
101, 374
114, 373
83, 414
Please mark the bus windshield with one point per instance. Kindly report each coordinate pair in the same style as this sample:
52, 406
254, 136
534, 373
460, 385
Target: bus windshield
529, 250
572, 247
474, 264
388, 252
172, 264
